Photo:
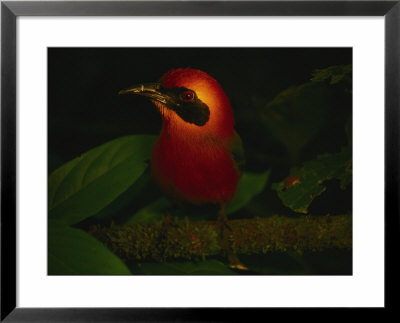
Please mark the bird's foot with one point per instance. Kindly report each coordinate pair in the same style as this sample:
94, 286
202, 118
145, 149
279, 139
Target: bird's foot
234, 262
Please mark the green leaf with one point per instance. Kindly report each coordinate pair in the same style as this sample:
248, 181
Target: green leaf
75, 252
53, 161
296, 115
207, 267
87, 184
333, 74
304, 184
141, 193
151, 212
250, 185
237, 151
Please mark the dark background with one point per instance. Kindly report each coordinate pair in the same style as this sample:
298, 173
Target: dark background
85, 110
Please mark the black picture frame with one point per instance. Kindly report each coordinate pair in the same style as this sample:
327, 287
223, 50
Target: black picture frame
10, 10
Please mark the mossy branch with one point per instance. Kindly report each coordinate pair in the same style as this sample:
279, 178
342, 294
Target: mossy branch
166, 240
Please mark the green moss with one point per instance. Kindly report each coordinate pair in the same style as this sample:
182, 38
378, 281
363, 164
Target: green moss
165, 240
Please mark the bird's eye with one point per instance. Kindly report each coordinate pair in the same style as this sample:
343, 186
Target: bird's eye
187, 96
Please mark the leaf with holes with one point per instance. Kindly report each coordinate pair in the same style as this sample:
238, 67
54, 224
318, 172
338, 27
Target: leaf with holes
333, 74
87, 184
300, 188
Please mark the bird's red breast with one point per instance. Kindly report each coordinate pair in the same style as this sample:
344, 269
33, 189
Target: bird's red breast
193, 163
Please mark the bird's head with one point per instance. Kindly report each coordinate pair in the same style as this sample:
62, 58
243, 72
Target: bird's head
190, 101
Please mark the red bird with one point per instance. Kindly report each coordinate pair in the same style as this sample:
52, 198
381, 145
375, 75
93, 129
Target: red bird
196, 159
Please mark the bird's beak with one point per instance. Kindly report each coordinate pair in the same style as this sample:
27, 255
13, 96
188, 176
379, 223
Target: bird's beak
149, 90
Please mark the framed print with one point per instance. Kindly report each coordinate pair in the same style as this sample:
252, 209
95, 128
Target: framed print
180, 155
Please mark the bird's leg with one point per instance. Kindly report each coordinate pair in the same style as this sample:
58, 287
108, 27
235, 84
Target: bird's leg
225, 242
223, 222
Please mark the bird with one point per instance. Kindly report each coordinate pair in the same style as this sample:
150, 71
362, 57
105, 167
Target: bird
198, 156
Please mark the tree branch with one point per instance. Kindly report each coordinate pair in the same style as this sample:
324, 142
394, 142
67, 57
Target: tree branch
183, 239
